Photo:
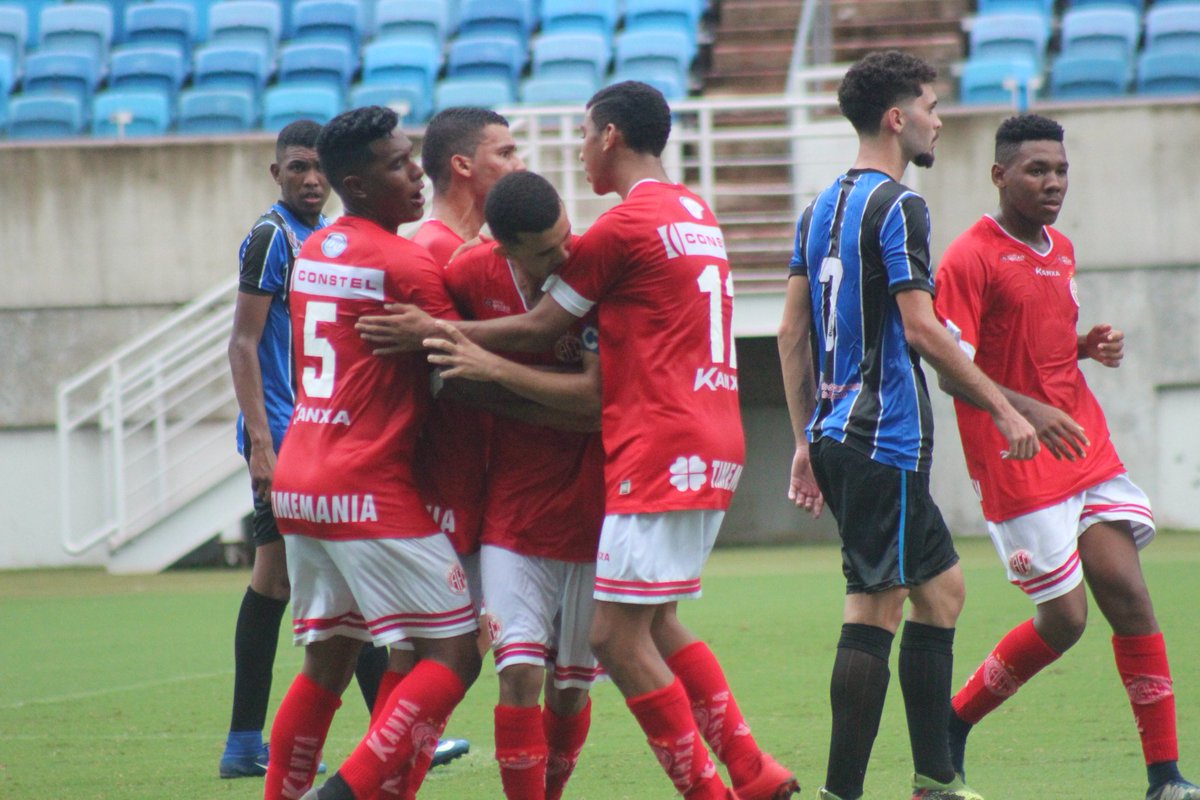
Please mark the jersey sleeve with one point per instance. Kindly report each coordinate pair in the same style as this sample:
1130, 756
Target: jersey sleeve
799, 264
597, 262
428, 288
904, 241
463, 277
263, 260
958, 301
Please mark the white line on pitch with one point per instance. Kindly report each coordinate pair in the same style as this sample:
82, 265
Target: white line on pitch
131, 687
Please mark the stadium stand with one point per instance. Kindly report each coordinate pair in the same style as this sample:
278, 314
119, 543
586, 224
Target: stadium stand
285, 104
1173, 27
571, 54
580, 16
1101, 31
1168, 73
82, 28
150, 67
999, 82
240, 66
164, 24
1012, 36
252, 22
1078, 77
74, 74
471, 91
401, 18
557, 90
44, 116
139, 112
402, 61
219, 110
14, 32
486, 55
501, 17
328, 20
325, 63
411, 101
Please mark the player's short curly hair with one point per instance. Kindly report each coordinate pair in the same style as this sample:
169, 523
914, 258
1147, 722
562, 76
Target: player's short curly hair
638, 111
344, 146
878, 82
453, 132
521, 202
301, 133
1024, 128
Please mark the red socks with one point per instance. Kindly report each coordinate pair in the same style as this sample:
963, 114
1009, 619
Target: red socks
521, 750
1142, 664
297, 737
666, 717
564, 737
716, 712
1020, 655
416, 711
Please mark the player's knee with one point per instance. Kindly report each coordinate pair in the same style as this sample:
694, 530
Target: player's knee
1062, 624
521, 685
567, 702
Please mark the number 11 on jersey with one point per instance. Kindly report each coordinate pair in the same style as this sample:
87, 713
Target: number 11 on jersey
710, 283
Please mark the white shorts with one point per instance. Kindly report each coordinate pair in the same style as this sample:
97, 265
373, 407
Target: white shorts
652, 559
1040, 549
377, 590
540, 612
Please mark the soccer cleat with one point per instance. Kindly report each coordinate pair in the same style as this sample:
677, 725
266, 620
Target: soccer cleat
1175, 790
825, 794
251, 765
773, 782
448, 750
929, 789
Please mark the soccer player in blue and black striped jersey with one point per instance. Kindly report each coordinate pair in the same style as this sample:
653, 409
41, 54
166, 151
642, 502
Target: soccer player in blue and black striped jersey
858, 318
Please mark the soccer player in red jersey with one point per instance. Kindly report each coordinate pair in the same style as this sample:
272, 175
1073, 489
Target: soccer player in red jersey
1006, 290
655, 269
366, 560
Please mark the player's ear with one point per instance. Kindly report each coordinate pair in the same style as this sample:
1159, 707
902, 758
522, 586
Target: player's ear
461, 164
353, 184
275, 172
893, 119
610, 137
998, 180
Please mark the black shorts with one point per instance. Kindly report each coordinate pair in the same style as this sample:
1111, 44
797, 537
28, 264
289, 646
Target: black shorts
892, 532
265, 529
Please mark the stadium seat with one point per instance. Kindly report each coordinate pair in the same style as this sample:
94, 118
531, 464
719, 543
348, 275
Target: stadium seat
576, 16
662, 14
1086, 77
654, 50
412, 102
330, 63
1043, 7
1010, 36
328, 20
75, 74
1168, 73
401, 61
33, 13
85, 28
168, 24
1101, 31
131, 113
428, 20
44, 116
557, 90
571, 54
1173, 27
672, 85
485, 55
503, 17
14, 33
242, 66
147, 67
217, 111
1008, 82
1136, 5
283, 105
7, 81
256, 22
468, 91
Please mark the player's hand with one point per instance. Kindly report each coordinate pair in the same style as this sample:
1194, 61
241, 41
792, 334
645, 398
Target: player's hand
1021, 436
459, 356
262, 470
1063, 436
1106, 345
401, 331
467, 245
802, 488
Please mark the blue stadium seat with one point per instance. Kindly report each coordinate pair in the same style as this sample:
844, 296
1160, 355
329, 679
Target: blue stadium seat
574, 16
1043, 7
571, 54
504, 17
77, 28
147, 67
7, 80
1168, 73
414, 102
74, 74
241, 66
1136, 5
664, 15
468, 91
217, 111
329, 63
202, 7
328, 20
1101, 31
654, 50
14, 33
998, 82
1173, 27
664, 78
256, 22
485, 55
1010, 36
283, 105
1089, 77
429, 19
33, 11
402, 61
168, 24
131, 113
558, 90
44, 116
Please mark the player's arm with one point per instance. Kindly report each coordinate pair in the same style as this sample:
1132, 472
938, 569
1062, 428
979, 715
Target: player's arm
501, 401
249, 319
1102, 343
795, 359
936, 345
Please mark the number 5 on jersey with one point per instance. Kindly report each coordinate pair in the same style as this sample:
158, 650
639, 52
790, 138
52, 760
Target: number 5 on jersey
318, 381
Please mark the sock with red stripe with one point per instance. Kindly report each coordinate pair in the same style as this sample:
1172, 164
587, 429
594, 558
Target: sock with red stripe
716, 711
1142, 663
297, 738
564, 739
666, 717
521, 752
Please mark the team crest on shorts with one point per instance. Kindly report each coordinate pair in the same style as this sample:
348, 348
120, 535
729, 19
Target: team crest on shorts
494, 627
1021, 562
456, 579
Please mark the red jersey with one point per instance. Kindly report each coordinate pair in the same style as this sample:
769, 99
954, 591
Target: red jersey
452, 453
655, 266
545, 487
345, 468
1017, 310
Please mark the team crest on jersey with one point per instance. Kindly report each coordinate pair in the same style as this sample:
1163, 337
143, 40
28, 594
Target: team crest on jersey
568, 349
334, 245
1021, 562
694, 208
688, 473
456, 579
1074, 291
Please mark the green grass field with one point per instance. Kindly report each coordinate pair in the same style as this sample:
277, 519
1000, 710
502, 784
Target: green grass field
119, 687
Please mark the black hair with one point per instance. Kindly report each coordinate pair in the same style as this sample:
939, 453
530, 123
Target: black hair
521, 202
880, 81
344, 145
453, 132
301, 133
638, 111
1024, 128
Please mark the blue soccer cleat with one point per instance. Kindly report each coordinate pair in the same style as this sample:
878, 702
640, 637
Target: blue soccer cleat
448, 750
251, 765
1175, 790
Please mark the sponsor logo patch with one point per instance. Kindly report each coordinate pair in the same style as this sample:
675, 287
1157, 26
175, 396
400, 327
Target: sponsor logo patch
688, 473
334, 245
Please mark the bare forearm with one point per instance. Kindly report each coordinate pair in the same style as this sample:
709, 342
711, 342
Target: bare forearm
499, 400
956, 372
795, 356
248, 388
523, 333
